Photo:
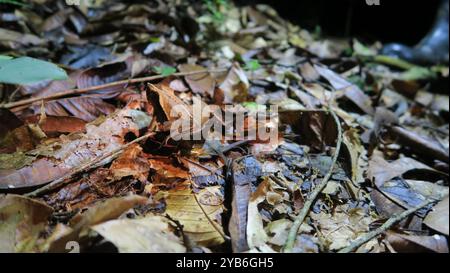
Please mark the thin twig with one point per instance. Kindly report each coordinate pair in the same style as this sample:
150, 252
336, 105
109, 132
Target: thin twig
85, 167
104, 86
383, 228
319, 188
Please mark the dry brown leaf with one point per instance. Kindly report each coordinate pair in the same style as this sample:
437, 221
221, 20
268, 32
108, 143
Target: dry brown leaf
71, 152
382, 171
438, 218
22, 221
55, 125
235, 86
99, 213
203, 84
151, 234
351, 91
256, 235
410, 243
131, 163
342, 227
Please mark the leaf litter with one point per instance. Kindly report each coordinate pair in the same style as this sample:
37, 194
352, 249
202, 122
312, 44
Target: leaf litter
86, 153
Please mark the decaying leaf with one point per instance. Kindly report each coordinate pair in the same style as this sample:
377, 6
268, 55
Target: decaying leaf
22, 221
351, 91
151, 234
438, 218
200, 220
410, 243
343, 226
121, 177
235, 86
101, 212
256, 235
131, 163
381, 171
203, 84
72, 152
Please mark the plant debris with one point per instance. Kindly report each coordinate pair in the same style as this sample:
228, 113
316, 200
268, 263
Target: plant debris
310, 144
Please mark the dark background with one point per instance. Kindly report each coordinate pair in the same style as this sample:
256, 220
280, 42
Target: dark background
393, 21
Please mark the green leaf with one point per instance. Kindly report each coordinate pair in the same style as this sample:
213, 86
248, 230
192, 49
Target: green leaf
253, 106
362, 50
252, 65
165, 71
26, 70
4, 58
13, 2
155, 39
418, 73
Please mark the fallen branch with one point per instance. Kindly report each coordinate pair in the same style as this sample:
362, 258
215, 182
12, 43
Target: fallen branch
85, 167
319, 188
386, 226
78, 91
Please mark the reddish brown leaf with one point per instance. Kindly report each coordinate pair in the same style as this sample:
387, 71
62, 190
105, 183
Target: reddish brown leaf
131, 163
70, 153
85, 108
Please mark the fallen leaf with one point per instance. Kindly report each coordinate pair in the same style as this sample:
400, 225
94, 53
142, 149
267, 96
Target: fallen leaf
27, 70
55, 125
131, 163
101, 212
343, 226
200, 222
151, 234
72, 152
23, 220
203, 84
235, 86
351, 91
256, 235
437, 219
382, 171
410, 243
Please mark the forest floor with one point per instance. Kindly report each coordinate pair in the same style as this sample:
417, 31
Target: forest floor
332, 148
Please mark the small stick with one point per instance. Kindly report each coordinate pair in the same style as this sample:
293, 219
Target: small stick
383, 228
103, 86
88, 166
312, 198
